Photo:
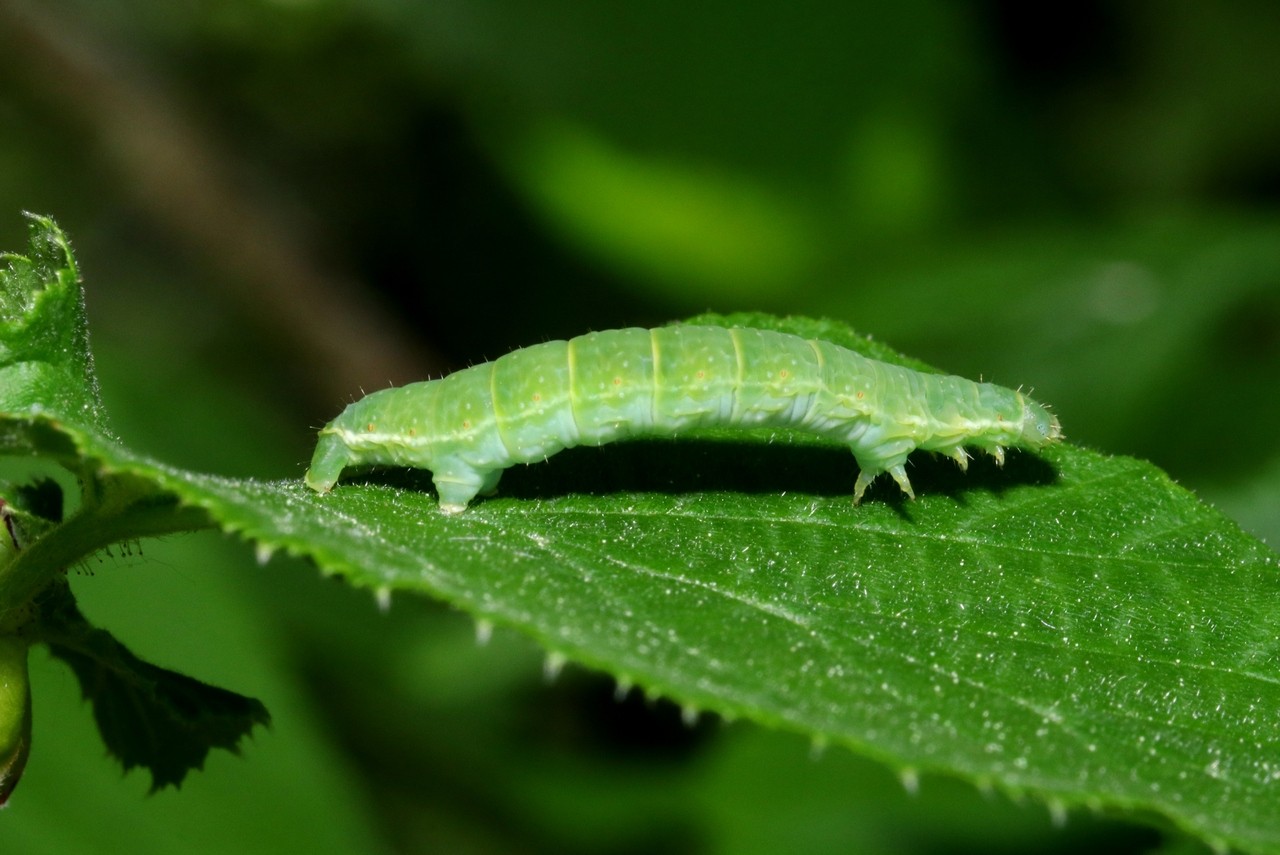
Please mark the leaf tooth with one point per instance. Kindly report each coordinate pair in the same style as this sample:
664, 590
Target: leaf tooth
553, 665
623, 688
689, 714
910, 779
383, 598
484, 631
263, 552
1057, 812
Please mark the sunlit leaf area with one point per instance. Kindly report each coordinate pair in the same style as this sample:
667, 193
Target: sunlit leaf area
247, 215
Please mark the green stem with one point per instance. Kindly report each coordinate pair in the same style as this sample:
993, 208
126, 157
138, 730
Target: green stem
91, 529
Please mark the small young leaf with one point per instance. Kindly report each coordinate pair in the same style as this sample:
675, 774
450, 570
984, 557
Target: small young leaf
46, 369
148, 716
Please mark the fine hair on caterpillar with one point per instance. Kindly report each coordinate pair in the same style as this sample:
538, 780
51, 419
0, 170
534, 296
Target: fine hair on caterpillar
469, 426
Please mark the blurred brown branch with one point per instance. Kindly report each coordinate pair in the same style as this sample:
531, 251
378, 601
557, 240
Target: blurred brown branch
190, 186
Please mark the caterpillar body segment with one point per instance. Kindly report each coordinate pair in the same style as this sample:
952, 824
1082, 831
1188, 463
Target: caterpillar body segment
618, 384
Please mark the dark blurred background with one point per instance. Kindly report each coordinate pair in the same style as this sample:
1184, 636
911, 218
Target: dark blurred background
278, 205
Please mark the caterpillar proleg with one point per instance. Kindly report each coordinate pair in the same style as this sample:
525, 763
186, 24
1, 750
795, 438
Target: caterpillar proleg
605, 386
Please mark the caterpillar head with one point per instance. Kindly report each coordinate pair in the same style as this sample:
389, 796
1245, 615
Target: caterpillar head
1039, 426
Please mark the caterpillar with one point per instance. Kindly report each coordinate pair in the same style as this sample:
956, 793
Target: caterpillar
604, 386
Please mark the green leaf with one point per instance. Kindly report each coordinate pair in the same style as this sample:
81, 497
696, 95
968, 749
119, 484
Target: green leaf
161, 720
1073, 626
1106, 639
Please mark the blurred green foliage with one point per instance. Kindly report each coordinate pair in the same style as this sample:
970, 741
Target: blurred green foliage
1084, 198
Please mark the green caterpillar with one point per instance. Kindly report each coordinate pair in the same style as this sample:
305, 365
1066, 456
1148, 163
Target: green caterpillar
600, 387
